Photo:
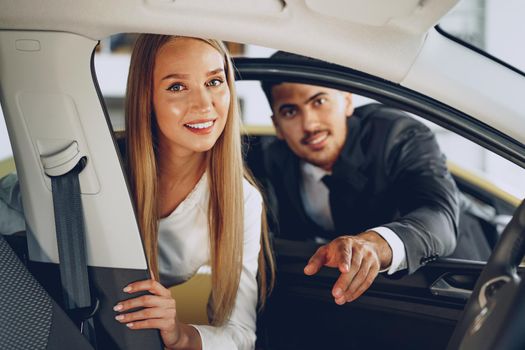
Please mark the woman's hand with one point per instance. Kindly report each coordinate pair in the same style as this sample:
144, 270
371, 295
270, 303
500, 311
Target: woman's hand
157, 311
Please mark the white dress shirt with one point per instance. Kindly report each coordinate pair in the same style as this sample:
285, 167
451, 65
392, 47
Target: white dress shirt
184, 247
315, 198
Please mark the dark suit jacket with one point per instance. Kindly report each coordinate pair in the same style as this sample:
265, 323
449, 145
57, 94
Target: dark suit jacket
390, 173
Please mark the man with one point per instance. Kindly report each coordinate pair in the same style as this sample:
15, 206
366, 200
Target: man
372, 180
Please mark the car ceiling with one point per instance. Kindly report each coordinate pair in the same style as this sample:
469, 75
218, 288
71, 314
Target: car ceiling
380, 37
393, 40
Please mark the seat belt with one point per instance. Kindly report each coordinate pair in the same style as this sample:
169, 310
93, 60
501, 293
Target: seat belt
64, 168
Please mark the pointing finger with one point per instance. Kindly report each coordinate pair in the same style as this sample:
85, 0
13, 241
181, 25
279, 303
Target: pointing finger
316, 261
344, 281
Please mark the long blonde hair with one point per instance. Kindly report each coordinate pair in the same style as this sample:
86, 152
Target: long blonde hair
225, 170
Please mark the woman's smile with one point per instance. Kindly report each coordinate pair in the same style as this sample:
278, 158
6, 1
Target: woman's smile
201, 127
191, 96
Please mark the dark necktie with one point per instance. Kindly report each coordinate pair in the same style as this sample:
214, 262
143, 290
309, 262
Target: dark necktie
327, 180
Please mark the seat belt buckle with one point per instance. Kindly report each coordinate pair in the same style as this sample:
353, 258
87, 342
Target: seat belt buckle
82, 314
63, 161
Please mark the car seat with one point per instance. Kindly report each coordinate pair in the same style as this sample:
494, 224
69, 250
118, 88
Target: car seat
30, 318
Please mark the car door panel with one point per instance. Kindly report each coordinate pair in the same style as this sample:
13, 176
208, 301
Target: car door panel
398, 311
106, 286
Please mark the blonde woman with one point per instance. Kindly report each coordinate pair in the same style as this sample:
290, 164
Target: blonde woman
195, 203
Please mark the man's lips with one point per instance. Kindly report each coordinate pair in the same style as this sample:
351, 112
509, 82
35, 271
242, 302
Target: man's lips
316, 138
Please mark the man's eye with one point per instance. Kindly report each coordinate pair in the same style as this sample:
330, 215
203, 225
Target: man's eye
288, 113
215, 82
320, 101
176, 87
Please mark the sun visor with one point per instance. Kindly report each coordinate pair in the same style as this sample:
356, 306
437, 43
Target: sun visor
411, 15
230, 7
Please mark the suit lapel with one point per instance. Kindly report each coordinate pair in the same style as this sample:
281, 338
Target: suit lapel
348, 183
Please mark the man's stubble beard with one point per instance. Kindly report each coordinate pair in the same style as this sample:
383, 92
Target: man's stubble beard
322, 159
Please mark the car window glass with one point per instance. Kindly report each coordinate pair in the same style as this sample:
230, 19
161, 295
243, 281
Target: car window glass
7, 163
493, 183
11, 219
495, 169
472, 157
495, 27
254, 106
491, 187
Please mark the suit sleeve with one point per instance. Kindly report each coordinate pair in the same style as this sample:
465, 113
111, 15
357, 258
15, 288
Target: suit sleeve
427, 195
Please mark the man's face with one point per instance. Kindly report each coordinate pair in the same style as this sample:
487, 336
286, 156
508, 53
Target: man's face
312, 121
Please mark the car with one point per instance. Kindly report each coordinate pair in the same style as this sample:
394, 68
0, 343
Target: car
393, 53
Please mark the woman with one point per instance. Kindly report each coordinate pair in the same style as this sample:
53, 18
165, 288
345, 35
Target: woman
195, 202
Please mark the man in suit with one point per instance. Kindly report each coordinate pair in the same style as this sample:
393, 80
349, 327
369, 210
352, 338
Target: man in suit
370, 181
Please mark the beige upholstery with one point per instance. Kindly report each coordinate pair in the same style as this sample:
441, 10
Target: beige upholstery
192, 299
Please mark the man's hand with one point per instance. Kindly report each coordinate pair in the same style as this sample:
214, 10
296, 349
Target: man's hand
359, 258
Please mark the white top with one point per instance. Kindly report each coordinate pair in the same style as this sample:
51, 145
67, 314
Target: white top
184, 247
316, 202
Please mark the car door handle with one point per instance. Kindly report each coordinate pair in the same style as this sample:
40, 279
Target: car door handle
442, 287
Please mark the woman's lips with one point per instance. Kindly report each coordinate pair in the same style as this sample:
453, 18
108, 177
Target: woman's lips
200, 126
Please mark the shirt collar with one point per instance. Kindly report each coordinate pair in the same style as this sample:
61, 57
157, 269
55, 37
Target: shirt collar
313, 172
197, 195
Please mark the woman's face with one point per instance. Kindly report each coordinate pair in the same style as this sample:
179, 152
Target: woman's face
191, 96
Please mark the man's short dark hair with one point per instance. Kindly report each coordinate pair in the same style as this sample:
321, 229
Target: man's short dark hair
267, 85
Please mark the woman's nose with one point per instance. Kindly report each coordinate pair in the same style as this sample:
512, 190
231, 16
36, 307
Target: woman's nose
201, 101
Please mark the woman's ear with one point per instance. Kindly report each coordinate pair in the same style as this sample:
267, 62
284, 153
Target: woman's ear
349, 109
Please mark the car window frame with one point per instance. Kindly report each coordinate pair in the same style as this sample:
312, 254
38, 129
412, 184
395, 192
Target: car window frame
347, 79
383, 91
476, 49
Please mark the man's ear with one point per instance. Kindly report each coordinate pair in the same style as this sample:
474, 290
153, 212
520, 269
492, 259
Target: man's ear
278, 131
349, 109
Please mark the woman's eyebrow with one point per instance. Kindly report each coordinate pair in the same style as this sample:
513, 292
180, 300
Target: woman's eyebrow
176, 76
215, 71
186, 76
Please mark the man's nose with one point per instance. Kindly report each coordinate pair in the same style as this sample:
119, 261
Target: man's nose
201, 101
310, 120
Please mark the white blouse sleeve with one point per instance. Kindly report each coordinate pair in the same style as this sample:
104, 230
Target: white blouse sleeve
239, 331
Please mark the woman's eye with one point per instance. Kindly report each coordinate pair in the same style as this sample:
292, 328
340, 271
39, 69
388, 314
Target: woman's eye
176, 87
215, 82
